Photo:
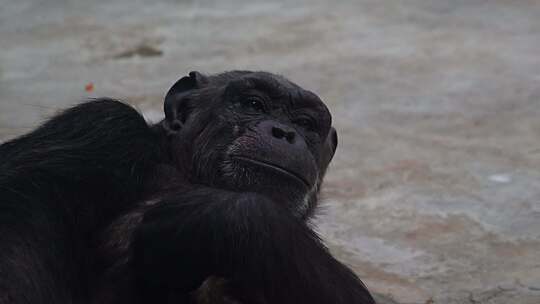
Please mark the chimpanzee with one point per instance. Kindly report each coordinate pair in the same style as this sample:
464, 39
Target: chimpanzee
210, 205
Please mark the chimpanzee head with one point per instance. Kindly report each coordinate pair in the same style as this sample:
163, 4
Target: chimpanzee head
251, 132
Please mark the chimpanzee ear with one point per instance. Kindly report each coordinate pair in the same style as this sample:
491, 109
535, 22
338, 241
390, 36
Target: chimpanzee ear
174, 100
330, 145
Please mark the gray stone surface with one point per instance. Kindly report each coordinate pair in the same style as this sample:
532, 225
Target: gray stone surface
434, 194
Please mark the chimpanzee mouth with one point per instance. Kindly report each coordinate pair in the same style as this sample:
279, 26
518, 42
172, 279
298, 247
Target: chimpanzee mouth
274, 167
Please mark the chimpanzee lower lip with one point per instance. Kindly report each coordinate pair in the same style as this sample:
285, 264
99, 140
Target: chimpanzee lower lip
274, 167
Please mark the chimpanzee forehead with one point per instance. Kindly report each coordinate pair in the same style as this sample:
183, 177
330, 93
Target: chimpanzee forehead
280, 88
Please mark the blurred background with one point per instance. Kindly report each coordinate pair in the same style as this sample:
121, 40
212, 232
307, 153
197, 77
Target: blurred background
434, 194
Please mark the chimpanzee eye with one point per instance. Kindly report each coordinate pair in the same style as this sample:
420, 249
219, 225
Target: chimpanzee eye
305, 123
253, 103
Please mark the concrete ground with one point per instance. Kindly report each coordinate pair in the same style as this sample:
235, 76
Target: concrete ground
434, 196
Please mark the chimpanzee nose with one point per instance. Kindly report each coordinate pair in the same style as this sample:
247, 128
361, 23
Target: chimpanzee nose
280, 132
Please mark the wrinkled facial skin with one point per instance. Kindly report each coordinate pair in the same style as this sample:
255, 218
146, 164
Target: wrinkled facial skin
254, 132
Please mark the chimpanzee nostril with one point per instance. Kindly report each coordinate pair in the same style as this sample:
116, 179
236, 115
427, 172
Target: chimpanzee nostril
290, 137
278, 133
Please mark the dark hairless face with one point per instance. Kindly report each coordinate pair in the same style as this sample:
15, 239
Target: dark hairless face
252, 131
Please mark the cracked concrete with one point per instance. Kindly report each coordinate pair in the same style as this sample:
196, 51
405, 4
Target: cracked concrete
434, 194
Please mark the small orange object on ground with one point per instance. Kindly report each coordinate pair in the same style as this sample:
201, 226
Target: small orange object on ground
89, 87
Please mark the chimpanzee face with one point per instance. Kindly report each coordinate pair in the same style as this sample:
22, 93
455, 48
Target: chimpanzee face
253, 132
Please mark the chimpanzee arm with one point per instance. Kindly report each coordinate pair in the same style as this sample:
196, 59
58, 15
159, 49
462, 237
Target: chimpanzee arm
255, 243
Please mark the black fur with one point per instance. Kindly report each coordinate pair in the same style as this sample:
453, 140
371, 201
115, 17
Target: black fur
98, 207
